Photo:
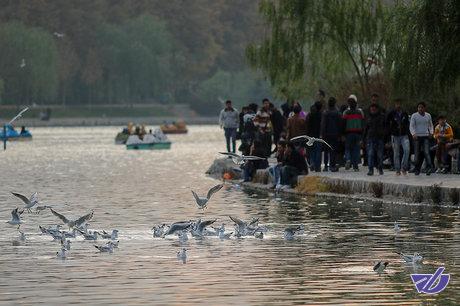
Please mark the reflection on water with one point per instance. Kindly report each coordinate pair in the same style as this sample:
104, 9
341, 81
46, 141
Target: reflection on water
78, 169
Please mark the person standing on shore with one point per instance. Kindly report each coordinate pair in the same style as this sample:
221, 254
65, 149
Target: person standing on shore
331, 128
421, 128
443, 134
229, 121
354, 122
264, 127
374, 134
398, 126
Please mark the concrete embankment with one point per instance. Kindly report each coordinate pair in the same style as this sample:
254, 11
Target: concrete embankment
437, 189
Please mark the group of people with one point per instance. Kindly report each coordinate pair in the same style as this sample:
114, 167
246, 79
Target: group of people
356, 137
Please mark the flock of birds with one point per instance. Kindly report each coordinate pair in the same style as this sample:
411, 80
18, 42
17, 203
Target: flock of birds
196, 228
75, 227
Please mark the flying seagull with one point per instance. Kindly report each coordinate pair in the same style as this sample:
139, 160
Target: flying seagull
23, 63
380, 266
310, 140
29, 203
241, 159
416, 258
15, 217
203, 201
200, 226
18, 115
178, 226
58, 35
73, 223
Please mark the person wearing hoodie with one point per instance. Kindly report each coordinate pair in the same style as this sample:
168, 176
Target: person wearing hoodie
229, 120
353, 118
374, 134
314, 130
331, 130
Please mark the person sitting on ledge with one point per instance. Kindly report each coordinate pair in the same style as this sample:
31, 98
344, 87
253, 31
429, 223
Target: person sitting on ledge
275, 171
294, 165
250, 167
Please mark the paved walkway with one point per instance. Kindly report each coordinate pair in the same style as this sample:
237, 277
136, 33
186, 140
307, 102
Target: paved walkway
446, 180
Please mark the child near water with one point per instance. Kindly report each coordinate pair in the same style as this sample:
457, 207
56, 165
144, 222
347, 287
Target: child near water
443, 134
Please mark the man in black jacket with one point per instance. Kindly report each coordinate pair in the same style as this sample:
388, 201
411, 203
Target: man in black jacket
331, 131
374, 133
277, 123
398, 127
314, 130
294, 165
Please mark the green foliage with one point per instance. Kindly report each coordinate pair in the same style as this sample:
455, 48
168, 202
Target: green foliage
241, 87
320, 40
28, 64
134, 51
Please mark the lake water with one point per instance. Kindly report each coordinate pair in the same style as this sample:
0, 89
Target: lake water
79, 169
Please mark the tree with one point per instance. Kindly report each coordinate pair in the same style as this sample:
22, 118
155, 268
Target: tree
308, 39
28, 64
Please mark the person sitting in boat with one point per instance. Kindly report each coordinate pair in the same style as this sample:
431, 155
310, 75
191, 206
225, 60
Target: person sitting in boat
23, 130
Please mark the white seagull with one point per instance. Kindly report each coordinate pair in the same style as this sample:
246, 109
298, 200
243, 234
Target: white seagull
62, 254
178, 226
182, 255
241, 159
114, 244
15, 217
380, 266
416, 258
73, 223
23, 63
112, 236
29, 203
203, 201
158, 230
58, 35
310, 140
105, 248
291, 231
223, 235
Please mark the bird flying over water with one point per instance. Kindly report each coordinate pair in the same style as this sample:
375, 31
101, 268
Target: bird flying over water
73, 223
203, 201
23, 63
241, 159
178, 226
15, 217
416, 258
380, 266
20, 113
310, 140
58, 35
29, 203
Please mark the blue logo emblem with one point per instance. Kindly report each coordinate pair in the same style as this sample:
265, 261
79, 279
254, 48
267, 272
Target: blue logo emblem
425, 283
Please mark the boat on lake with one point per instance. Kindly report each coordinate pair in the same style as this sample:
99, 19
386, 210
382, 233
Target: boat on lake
151, 141
174, 128
12, 134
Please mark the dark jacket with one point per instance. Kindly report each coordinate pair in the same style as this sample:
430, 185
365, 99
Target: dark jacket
296, 160
398, 123
331, 123
375, 126
314, 120
277, 121
287, 109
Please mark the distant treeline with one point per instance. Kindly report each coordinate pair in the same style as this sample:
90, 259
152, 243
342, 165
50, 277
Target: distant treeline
123, 52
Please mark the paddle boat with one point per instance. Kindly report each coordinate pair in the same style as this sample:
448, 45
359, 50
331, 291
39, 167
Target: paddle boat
174, 128
151, 141
12, 134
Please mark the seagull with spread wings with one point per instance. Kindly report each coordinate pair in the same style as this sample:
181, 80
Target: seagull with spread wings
29, 203
15, 217
203, 201
73, 223
310, 140
241, 159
